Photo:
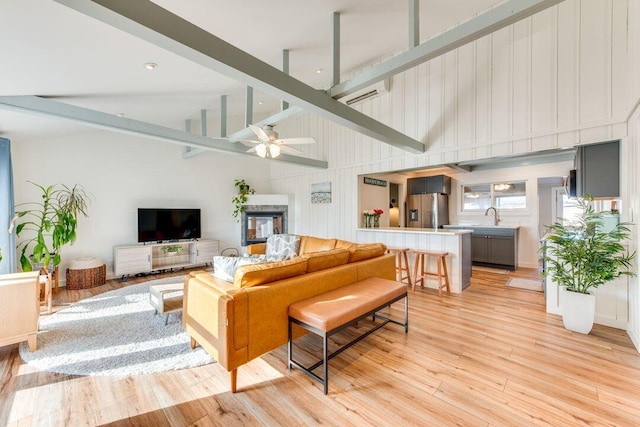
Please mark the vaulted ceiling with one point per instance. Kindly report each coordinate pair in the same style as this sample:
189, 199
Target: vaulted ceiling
55, 49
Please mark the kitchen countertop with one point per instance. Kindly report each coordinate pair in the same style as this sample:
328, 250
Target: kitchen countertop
449, 232
458, 226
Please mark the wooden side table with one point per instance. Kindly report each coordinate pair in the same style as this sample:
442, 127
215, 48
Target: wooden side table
166, 299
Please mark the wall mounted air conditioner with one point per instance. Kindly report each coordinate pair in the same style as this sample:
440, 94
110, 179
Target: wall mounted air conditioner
368, 92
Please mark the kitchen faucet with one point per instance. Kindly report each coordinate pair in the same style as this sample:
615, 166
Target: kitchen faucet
496, 217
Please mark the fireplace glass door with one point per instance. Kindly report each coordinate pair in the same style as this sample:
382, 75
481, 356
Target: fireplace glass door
261, 225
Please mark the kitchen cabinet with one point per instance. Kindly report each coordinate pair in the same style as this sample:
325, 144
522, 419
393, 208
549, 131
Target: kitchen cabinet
416, 186
493, 246
429, 184
598, 167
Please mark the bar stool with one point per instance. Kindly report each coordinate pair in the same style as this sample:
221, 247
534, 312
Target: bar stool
420, 271
402, 264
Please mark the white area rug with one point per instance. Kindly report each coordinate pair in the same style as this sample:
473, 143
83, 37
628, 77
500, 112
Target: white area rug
490, 269
115, 333
530, 285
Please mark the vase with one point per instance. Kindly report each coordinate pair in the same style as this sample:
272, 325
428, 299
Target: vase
376, 221
577, 311
367, 221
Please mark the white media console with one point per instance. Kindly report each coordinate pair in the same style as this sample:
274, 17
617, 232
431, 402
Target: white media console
134, 259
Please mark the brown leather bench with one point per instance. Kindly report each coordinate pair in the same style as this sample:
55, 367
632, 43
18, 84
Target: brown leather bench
329, 313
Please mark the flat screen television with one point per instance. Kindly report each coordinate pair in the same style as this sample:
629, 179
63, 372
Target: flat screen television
157, 225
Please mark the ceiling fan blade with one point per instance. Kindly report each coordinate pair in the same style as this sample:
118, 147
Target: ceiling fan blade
251, 150
289, 150
297, 141
259, 132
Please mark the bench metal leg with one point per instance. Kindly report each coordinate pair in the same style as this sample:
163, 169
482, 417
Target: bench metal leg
325, 369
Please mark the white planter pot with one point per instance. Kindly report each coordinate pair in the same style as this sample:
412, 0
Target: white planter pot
577, 311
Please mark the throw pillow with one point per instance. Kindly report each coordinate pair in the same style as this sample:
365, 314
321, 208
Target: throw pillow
284, 246
224, 267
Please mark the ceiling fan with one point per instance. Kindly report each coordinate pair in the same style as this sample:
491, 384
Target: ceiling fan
268, 144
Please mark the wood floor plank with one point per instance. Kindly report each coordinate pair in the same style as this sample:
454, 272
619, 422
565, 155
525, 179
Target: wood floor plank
490, 356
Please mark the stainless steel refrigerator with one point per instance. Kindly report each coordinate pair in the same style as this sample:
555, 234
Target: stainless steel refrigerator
427, 210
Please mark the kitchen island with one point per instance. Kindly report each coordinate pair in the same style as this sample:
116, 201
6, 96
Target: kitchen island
456, 242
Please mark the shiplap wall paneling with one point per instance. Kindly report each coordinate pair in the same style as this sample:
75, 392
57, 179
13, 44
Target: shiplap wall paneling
568, 32
436, 106
544, 51
633, 16
501, 109
631, 162
422, 103
483, 78
619, 52
450, 80
595, 62
521, 77
466, 95
410, 106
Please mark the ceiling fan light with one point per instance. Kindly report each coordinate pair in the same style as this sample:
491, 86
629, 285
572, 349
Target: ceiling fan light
261, 149
274, 150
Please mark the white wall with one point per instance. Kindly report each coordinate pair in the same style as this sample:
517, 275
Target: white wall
556, 79
124, 173
631, 212
567, 76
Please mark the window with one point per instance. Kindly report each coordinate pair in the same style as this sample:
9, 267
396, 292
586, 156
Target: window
501, 195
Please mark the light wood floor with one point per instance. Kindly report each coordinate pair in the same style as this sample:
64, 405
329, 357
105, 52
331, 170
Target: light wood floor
488, 357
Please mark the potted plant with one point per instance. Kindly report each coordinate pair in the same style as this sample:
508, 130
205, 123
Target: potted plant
172, 249
52, 223
581, 255
240, 200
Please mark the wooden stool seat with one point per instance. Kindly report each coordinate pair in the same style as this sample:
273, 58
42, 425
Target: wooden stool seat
402, 264
421, 269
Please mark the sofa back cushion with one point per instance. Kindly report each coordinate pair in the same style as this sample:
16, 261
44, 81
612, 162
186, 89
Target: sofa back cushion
365, 251
259, 274
327, 259
344, 244
283, 246
310, 244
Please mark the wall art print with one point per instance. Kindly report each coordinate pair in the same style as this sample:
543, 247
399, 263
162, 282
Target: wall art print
321, 192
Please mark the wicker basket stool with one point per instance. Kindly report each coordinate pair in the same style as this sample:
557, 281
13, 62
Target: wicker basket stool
85, 273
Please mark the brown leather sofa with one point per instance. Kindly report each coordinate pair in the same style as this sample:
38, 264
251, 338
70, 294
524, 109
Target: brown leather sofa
237, 322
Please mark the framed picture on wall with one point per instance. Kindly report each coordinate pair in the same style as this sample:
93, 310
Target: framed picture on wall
321, 192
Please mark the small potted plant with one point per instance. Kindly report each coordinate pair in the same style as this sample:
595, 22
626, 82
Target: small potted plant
582, 256
240, 200
171, 250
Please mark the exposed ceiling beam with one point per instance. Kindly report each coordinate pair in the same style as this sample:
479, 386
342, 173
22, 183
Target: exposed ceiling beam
495, 18
51, 108
156, 25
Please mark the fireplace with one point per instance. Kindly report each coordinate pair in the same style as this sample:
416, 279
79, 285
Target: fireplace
260, 221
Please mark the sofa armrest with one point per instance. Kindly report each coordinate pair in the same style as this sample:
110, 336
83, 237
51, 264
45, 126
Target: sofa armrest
257, 249
215, 316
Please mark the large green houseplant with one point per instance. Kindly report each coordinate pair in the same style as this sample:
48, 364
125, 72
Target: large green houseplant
582, 255
50, 223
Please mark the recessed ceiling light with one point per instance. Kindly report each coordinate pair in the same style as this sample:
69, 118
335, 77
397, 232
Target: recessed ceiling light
150, 65
319, 70
260, 103
120, 114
